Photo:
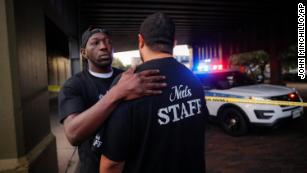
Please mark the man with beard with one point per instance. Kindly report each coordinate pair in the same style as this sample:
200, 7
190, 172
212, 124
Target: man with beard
162, 133
86, 100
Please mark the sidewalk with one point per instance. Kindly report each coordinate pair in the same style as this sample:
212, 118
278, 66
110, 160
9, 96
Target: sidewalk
68, 160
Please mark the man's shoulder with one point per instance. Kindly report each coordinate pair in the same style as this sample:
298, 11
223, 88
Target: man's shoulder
117, 70
168, 62
154, 63
76, 79
116, 75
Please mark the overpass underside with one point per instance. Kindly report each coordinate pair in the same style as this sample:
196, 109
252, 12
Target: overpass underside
214, 29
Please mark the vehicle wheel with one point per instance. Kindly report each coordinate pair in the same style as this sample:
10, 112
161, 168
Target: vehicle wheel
233, 122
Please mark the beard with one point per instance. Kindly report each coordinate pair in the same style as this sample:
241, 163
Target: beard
103, 62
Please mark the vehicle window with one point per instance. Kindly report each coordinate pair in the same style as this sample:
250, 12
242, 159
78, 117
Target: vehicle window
224, 80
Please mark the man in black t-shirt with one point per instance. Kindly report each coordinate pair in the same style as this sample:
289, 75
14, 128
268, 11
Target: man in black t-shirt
85, 100
163, 133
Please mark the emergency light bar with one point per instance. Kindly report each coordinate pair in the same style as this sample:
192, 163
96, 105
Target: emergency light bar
205, 67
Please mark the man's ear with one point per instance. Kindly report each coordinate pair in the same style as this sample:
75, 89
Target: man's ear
83, 53
141, 41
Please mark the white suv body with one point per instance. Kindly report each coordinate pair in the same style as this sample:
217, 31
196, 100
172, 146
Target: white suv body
234, 84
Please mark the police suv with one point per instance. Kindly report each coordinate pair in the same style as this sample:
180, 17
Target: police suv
236, 118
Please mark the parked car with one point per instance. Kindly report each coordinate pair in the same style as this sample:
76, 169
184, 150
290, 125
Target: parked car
236, 118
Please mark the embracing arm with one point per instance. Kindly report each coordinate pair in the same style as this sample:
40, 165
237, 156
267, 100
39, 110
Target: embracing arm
80, 126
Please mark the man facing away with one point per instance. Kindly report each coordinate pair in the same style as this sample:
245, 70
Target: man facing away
85, 100
162, 133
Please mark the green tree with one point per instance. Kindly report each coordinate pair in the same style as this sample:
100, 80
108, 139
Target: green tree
254, 63
118, 64
289, 58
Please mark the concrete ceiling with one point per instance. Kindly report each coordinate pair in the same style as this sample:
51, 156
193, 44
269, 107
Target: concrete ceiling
194, 19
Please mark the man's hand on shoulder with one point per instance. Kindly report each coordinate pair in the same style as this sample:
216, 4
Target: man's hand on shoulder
134, 85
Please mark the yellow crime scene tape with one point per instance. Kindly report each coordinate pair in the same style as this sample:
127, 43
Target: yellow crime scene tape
56, 88
253, 101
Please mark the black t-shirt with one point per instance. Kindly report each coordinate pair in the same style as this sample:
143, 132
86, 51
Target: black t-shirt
163, 133
79, 93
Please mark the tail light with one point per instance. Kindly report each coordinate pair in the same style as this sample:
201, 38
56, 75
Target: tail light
293, 97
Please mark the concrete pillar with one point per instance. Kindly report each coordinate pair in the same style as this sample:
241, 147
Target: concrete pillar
215, 52
225, 52
253, 45
195, 56
190, 56
27, 143
74, 56
243, 41
238, 45
236, 42
273, 50
207, 51
220, 51
250, 39
202, 52
210, 51
199, 52
10, 114
231, 48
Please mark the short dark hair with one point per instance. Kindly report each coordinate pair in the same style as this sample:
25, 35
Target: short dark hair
158, 31
90, 31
